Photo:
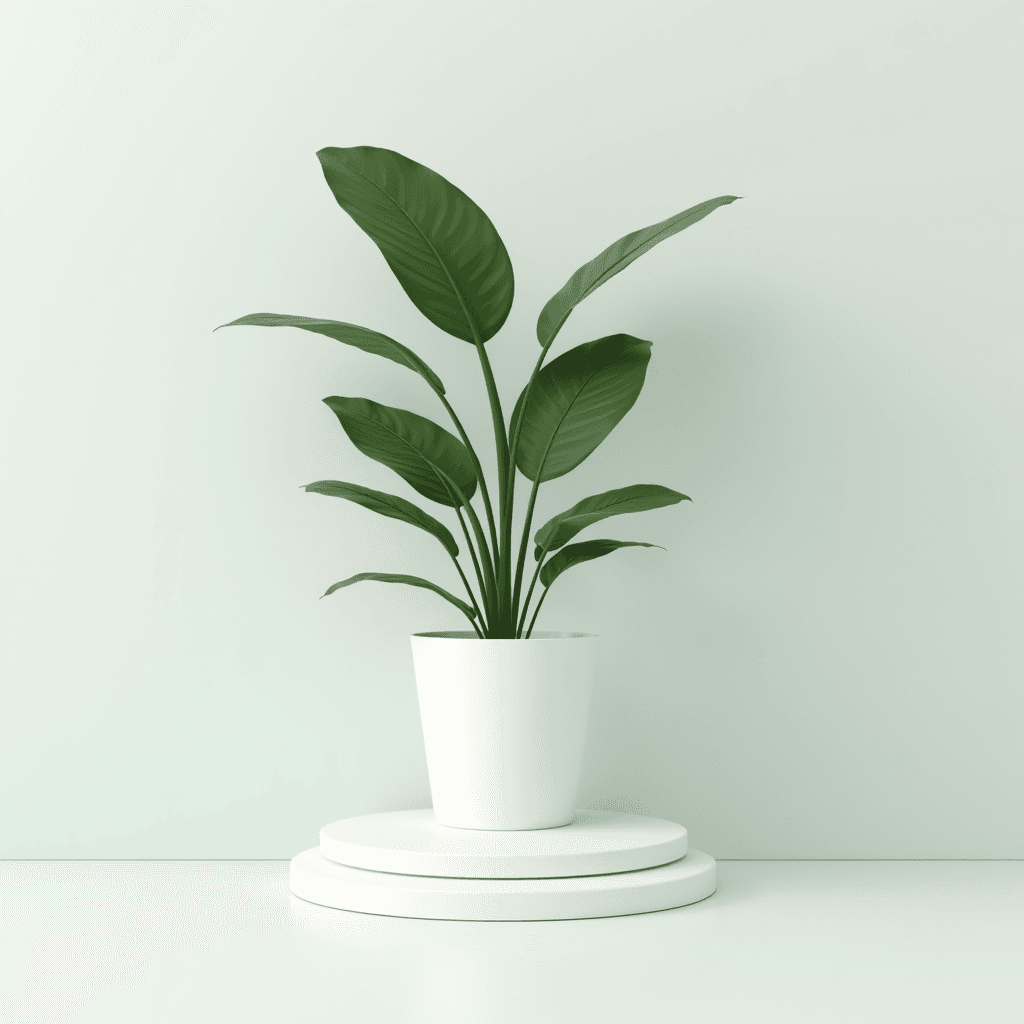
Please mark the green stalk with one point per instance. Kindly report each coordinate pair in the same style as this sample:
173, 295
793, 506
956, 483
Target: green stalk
524, 544
459, 499
472, 598
472, 622
529, 593
479, 475
506, 549
504, 622
506, 538
487, 587
511, 486
476, 563
514, 444
465, 582
482, 544
537, 612
500, 437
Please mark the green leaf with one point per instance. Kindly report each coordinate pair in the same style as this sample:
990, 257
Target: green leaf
574, 554
575, 402
441, 246
412, 581
636, 498
612, 261
349, 334
387, 505
417, 449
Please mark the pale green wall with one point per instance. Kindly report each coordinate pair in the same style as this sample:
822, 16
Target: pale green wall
826, 663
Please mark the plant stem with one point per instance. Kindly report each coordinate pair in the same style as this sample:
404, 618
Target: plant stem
487, 566
511, 486
504, 622
476, 628
537, 612
479, 474
529, 593
514, 440
486, 581
524, 544
476, 562
458, 499
472, 597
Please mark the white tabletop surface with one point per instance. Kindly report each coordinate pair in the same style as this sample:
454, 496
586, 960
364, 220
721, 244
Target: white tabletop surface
792, 941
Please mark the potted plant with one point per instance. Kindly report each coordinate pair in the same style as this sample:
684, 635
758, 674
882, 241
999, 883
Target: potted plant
504, 708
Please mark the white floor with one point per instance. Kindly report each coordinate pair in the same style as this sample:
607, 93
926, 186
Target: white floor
788, 941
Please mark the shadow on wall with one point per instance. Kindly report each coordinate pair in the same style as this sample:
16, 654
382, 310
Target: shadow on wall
688, 653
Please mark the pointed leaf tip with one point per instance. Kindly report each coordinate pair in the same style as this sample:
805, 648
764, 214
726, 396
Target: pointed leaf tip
575, 554
426, 456
442, 247
410, 581
612, 261
576, 401
385, 504
636, 498
362, 338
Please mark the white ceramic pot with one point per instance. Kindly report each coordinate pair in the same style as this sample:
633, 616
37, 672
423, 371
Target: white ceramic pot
504, 723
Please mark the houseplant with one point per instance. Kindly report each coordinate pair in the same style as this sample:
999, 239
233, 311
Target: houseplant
453, 265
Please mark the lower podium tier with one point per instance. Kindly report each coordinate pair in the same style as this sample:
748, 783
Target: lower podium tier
318, 880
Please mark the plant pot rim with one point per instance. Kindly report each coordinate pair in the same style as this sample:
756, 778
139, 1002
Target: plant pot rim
468, 634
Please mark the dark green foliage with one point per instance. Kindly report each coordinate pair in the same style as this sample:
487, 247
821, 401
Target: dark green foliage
388, 505
359, 337
574, 554
613, 261
638, 498
411, 581
453, 265
441, 246
425, 455
575, 402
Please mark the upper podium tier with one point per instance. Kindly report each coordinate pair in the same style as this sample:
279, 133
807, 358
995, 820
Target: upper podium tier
593, 843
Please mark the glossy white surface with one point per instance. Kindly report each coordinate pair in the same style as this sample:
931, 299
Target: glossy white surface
788, 942
413, 843
504, 724
685, 881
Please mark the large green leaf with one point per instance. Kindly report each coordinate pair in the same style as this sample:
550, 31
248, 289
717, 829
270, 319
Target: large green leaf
636, 498
417, 449
575, 402
442, 247
412, 581
574, 554
387, 505
349, 334
612, 261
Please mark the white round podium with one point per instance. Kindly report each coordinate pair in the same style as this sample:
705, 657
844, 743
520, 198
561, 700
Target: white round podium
602, 864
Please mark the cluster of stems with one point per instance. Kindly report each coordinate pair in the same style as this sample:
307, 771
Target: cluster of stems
501, 611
